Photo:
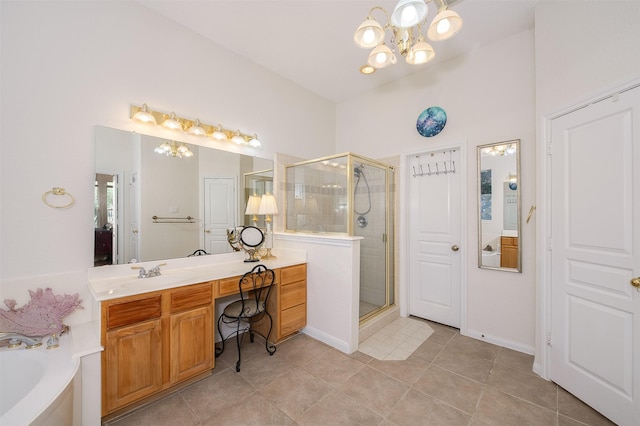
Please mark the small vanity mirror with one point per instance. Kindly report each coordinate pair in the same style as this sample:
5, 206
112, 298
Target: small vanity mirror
247, 238
499, 206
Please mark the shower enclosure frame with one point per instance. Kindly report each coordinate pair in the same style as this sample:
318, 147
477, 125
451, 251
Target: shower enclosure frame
352, 161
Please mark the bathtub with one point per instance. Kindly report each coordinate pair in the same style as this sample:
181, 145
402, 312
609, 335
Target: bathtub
37, 385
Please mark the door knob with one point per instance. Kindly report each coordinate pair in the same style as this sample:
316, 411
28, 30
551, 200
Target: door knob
135, 231
208, 231
455, 247
635, 282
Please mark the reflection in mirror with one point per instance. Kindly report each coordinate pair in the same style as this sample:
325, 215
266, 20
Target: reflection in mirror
135, 182
499, 206
256, 184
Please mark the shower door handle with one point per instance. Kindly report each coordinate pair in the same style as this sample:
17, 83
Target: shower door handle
455, 248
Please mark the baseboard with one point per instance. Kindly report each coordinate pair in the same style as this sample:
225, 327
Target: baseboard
340, 345
499, 341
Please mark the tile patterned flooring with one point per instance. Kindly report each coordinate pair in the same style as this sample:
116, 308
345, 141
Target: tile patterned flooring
448, 380
398, 340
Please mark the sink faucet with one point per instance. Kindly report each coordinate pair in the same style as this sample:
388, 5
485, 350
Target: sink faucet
153, 272
16, 339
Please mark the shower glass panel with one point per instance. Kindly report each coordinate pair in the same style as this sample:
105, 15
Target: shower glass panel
351, 195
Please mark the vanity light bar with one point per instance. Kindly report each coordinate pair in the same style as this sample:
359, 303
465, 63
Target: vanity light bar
144, 115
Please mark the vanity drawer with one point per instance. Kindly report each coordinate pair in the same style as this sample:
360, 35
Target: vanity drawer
293, 274
293, 294
119, 314
228, 286
293, 319
191, 297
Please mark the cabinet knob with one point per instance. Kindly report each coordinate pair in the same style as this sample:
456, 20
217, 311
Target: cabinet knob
635, 282
455, 248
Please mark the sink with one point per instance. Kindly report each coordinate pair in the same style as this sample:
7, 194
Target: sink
160, 280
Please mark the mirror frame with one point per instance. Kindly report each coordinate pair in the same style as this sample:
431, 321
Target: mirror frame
480, 150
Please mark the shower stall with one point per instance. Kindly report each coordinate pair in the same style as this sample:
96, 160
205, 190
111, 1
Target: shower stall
351, 195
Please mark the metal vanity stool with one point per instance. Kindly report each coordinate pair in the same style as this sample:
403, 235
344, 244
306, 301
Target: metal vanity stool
255, 287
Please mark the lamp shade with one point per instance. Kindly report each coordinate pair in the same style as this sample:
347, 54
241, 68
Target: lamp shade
268, 204
253, 205
420, 53
369, 34
381, 56
219, 134
144, 116
197, 130
172, 123
238, 139
445, 25
408, 13
255, 142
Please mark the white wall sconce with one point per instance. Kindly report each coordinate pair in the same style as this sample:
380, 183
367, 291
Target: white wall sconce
144, 115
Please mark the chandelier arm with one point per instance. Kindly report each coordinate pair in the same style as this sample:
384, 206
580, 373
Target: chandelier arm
385, 14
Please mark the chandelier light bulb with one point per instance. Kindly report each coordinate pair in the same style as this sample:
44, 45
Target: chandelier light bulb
443, 26
368, 36
409, 14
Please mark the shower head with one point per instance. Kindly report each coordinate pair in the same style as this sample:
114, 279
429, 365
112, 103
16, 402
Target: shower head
358, 170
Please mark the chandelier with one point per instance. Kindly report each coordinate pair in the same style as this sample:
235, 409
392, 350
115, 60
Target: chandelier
173, 149
404, 27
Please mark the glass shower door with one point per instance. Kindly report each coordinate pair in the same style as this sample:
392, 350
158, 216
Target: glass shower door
370, 222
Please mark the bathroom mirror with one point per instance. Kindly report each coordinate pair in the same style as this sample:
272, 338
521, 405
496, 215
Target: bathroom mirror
499, 216
194, 199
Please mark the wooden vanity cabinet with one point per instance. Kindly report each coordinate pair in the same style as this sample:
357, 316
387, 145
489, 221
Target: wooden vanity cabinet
163, 339
509, 252
292, 300
191, 338
154, 341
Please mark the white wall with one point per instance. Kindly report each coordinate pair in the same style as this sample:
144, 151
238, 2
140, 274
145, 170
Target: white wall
68, 66
582, 49
489, 97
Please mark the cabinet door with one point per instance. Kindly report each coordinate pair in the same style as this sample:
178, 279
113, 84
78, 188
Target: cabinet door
191, 345
133, 363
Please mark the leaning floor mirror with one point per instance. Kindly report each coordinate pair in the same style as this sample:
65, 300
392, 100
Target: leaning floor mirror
499, 245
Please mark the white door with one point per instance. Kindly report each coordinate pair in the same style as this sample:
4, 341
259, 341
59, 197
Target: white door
220, 203
595, 253
434, 237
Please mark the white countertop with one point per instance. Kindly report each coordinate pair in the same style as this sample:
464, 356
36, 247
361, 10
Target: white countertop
114, 281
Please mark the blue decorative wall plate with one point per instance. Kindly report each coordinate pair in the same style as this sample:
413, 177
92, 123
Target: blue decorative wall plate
431, 121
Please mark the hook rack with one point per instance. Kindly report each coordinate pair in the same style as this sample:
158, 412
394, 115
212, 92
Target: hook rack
436, 168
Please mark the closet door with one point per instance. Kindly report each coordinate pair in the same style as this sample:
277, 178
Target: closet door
595, 255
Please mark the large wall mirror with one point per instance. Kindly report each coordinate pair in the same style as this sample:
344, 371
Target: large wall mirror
152, 205
499, 239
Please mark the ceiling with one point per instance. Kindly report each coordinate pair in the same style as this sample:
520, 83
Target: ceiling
310, 42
